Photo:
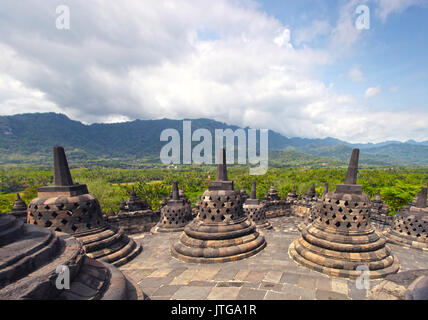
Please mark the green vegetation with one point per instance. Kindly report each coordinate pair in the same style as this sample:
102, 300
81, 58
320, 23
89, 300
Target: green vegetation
398, 186
29, 138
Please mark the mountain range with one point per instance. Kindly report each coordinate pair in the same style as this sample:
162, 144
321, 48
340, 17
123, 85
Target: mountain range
28, 138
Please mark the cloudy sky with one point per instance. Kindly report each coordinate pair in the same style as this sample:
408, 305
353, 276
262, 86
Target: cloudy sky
299, 67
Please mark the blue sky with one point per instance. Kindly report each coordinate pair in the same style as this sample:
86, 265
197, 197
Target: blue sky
392, 54
301, 68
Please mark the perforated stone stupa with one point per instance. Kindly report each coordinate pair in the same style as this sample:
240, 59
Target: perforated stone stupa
30, 256
68, 207
221, 231
292, 196
303, 207
255, 210
19, 209
311, 195
410, 225
176, 213
379, 213
309, 210
134, 203
134, 216
274, 205
341, 240
244, 194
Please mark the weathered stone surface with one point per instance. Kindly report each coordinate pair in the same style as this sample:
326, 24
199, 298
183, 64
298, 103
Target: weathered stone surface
410, 225
341, 239
67, 207
134, 215
29, 262
379, 214
19, 209
176, 212
418, 290
298, 282
221, 232
292, 196
274, 205
255, 210
134, 222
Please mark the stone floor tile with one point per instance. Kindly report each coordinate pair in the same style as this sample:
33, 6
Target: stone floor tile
154, 282
307, 282
230, 284
225, 274
251, 294
271, 286
270, 295
223, 293
273, 276
160, 273
241, 275
340, 286
323, 284
290, 278
191, 293
329, 295
202, 283
166, 291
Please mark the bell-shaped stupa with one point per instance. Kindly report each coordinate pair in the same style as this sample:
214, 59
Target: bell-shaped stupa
292, 196
19, 209
244, 194
68, 207
314, 209
221, 231
255, 210
341, 241
325, 191
175, 214
34, 260
274, 205
379, 213
311, 194
134, 203
410, 225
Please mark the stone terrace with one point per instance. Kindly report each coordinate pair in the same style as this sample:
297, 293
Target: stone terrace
270, 274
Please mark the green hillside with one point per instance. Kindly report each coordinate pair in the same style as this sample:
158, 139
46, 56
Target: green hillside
29, 138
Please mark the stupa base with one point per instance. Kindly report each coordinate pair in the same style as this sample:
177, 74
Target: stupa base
207, 260
109, 245
202, 243
344, 264
277, 213
265, 226
159, 229
395, 238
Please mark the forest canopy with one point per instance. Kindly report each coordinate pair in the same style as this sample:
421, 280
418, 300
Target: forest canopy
397, 186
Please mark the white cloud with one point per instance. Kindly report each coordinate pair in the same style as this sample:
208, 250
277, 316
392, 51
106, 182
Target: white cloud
308, 34
371, 92
356, 75
345, 34
283, 39
388, 7
147, 59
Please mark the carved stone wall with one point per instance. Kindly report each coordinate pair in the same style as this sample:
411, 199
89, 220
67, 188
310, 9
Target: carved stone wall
135, 222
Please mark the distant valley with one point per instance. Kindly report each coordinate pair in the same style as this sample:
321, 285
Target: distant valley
29, 138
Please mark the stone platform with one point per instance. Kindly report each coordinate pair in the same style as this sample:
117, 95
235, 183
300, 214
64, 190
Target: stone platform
29, 261
270, 274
